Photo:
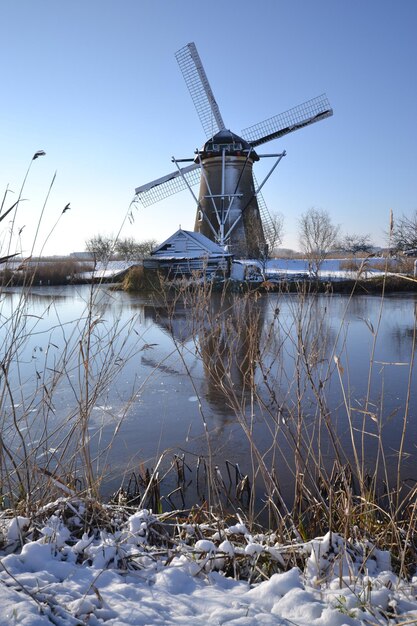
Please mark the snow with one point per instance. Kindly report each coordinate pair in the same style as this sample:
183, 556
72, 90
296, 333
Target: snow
119, 575
330, 269
109, 269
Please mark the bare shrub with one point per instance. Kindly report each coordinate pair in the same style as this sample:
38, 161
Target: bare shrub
406, 265
350, 265
135, 279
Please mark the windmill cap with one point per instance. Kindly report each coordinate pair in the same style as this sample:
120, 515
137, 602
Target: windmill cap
233, 144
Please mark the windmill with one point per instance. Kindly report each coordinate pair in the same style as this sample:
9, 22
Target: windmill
230, 207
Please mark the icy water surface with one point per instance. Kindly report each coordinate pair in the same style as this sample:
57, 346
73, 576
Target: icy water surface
166, 382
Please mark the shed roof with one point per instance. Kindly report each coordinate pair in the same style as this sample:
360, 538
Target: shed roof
197, 245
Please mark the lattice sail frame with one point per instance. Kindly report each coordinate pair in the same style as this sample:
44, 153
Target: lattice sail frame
302, 115
208, 111
267, 221
199, 87
168, 185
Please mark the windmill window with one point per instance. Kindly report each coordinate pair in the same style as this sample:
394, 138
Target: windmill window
218, 147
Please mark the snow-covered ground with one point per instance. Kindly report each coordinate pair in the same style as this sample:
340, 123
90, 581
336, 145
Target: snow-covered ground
103, 271
330, 269
131, 573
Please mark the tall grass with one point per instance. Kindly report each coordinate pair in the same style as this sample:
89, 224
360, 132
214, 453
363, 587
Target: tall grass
278, 376
43, 272
48, 442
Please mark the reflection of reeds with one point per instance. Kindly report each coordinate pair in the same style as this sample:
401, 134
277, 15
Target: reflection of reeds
336, 485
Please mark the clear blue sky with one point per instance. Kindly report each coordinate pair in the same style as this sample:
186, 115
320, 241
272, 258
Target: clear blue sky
96, 85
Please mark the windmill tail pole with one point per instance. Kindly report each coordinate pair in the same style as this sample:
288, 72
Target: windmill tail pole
280, 156
174, 160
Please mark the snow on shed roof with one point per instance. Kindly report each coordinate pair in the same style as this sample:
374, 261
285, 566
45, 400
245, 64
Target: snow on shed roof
198, 243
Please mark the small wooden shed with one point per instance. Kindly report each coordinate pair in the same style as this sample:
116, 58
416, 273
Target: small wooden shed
187, 252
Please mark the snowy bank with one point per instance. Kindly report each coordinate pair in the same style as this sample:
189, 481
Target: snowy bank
74, 563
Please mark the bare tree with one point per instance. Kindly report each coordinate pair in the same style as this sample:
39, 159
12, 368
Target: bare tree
146, 246
130, 250
100, 247
356, 243
404, 233
317, 235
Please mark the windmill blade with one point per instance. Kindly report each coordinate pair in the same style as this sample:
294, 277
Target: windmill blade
267, 222
202, 96
168, 185
302, 115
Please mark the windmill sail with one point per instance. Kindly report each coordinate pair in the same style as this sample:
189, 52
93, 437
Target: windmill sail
168, 185
267, 221
229, 209
302, 115
199, 87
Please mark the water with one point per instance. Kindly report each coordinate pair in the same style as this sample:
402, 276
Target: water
152, 379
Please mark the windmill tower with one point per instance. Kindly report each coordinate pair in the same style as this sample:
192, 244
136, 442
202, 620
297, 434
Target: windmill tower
230, 207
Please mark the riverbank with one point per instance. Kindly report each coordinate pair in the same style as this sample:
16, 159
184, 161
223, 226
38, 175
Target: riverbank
287, 276
76, 562
280, 447
378, 284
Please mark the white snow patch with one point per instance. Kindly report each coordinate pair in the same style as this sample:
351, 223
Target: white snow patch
119, 578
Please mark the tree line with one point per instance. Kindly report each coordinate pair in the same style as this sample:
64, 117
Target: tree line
104, 249
317, 236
